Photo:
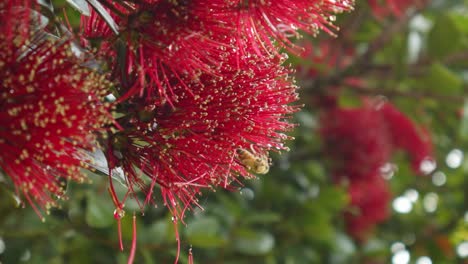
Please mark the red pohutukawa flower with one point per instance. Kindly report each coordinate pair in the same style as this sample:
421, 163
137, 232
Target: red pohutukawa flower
49, 108
369, 205
381, 8
359, 142
164, 38
257, 23
160, 39
16, 16
196, 142
414, 140
356, 140
326, 57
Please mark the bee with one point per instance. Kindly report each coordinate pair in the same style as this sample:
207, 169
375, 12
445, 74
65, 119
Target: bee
255, 163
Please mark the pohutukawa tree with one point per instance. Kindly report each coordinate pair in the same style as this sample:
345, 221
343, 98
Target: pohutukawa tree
172, 107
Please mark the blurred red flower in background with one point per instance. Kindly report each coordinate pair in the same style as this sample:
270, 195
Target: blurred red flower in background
369, 200
397, 8
359, 142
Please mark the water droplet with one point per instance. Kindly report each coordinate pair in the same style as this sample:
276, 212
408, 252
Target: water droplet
247, 193
388, 170
119, 213
111, 98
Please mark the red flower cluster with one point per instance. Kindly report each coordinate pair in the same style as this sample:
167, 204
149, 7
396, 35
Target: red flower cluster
49, 108
359, 142
369, 199
257, 21
407, 137
193, 144
325, 57
162, 38
199, 83
397, 8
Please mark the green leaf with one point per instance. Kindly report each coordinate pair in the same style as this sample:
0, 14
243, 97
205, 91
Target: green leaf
204, 232
251, 242
104, 14
306, 119
99, 211
375, 246
333, 198
442, 80
158, 232
261, 217
464, 122
47, 4
80, 5
444, 38
461, 21
8, 197
368, 31
344, 248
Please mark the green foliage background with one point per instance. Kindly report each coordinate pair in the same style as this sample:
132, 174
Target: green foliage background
293, 214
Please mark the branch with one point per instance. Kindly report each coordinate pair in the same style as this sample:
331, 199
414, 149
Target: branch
416, 69
361, 63
363, 89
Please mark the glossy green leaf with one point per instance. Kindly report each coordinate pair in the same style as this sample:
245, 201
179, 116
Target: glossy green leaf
80, 5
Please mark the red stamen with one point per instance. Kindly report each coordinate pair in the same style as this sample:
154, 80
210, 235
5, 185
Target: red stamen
134, 242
